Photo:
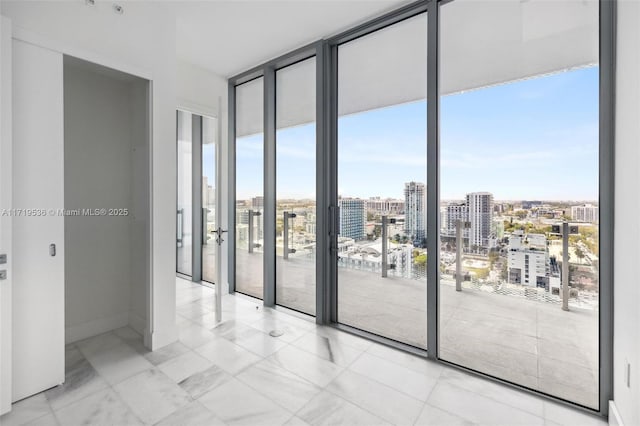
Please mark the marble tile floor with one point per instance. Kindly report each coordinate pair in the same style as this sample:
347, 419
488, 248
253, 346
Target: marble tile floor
235, 373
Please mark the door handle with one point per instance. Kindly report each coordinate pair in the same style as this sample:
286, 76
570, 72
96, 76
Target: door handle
219, 232
205, 234
285, 235
251, 215
179, 230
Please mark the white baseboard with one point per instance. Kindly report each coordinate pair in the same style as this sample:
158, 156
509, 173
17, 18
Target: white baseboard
88, 329
160, 338
614, 415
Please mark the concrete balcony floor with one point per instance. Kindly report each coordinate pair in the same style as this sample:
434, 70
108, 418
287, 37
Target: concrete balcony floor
532, 343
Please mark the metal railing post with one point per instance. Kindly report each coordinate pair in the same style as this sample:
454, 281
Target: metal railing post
565, 266
459, 227
205, 232
384, 247
250, 230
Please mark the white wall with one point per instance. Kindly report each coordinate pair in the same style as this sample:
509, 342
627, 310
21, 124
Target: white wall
105, 255
142, 41
627, 219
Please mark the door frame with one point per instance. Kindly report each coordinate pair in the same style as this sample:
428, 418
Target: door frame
9, 34
5, 220
199, 112
268, 71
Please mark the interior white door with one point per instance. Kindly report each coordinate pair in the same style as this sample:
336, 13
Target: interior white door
5, 220
38, 228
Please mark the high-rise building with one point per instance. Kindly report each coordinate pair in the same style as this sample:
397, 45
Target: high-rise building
585, 213
353, 217
480, 205
257, 203
415, 210
453, 213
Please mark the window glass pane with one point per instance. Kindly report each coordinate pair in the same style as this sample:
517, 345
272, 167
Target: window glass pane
519, 145
209, 198
296, 186
382, 172
249, 188
184, 216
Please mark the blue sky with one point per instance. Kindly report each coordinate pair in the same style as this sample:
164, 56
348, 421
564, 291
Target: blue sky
533, 139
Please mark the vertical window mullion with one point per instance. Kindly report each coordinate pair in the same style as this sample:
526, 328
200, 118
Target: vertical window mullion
231, 189
196, 197
269, 186
322, 202
433, 180
606, 194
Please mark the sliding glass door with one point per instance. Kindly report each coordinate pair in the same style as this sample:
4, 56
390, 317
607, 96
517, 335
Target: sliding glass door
382, 172
249, 209
196, 248
296, 186
519, 287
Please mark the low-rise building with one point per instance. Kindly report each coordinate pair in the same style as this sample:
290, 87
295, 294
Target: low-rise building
528, 259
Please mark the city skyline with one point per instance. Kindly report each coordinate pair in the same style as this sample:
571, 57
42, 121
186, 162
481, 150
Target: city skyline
554, 120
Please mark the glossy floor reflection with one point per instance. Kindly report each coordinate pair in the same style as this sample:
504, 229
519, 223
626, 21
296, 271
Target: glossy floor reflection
235, 373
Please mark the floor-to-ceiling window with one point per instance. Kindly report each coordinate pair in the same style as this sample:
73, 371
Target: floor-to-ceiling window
382, 172
249, 219
296, 186
509, 207
519, 157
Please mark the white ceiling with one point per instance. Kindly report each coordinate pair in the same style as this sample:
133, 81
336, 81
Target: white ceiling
228, 37
482, 43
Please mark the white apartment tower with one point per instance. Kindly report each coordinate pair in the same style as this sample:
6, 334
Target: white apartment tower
453, 213
415, 210
585, 213
480, 205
